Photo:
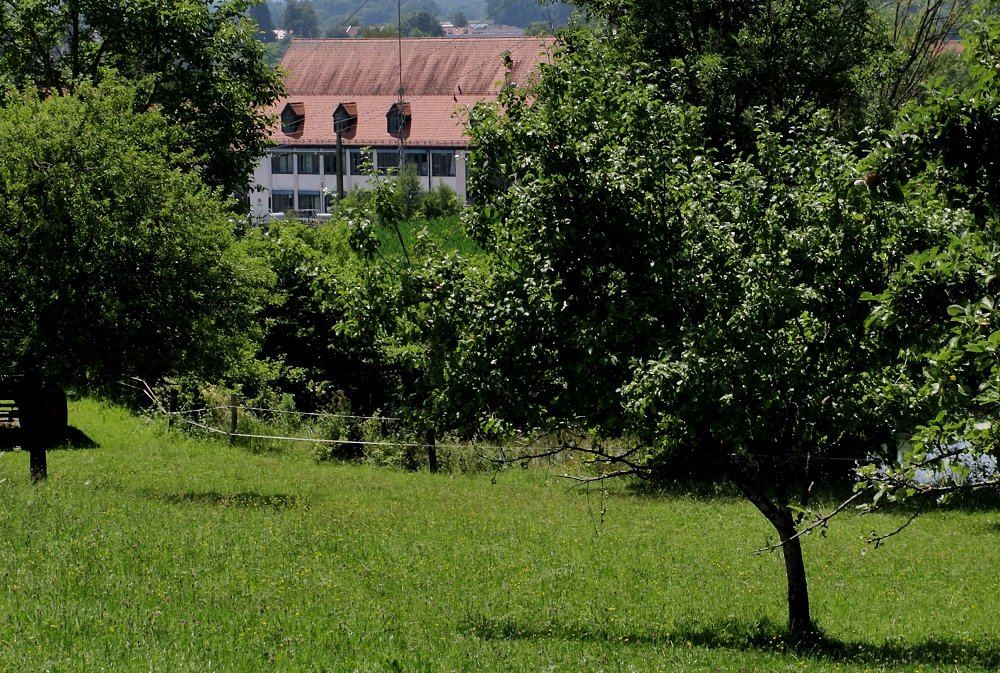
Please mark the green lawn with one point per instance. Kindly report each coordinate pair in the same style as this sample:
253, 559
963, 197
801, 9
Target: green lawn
154, 552
448, 232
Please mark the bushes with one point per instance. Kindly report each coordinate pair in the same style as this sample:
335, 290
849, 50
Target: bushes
115, 263
320, 348
441, 201
403, 199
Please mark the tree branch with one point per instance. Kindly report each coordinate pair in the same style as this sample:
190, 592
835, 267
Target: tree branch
877, 539
820, 522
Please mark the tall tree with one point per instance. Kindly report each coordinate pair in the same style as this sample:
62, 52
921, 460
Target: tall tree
673, 273
300, 18
807, 53
920, 32
421, 24
115, 263
206, 71
941, 304
261, 14
523, 12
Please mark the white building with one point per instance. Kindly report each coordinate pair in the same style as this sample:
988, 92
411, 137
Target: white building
358, 81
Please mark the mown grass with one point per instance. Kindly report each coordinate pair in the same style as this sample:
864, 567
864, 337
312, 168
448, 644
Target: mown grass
150, 551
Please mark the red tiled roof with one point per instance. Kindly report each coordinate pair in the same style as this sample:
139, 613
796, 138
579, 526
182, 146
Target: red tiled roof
443, 66
433, 121
441, 77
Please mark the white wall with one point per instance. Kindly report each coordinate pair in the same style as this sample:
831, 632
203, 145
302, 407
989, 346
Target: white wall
265, 183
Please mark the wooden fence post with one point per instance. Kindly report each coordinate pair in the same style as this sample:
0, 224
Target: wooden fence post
432, 455
233, 401
171, 407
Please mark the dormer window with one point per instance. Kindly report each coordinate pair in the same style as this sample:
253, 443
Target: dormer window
397, 120
293, 118
345, 118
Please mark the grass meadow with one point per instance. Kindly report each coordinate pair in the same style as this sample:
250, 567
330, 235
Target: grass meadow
448, 232
153, 551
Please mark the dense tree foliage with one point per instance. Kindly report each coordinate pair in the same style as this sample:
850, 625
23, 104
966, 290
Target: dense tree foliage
732, 57
421, 24
334, 15
321, 335
681, 254
206, 71
940, 303
260, 13
115, 262
300, 18
413, 292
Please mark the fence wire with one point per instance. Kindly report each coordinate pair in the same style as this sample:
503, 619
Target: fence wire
182, 415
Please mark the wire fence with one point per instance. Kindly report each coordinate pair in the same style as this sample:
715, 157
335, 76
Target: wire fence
386, 441
381, 440
233, 431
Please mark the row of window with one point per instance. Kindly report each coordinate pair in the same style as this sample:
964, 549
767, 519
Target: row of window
440, 163
282, 201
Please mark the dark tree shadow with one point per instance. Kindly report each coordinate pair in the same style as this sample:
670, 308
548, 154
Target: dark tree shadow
242, 500
759, 635
11, 438
77, 439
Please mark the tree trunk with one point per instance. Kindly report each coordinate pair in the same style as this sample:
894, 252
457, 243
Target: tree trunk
800, 626
38, 464
801, 630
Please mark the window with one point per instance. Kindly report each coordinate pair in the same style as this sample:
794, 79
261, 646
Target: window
393, 125
443, 164
281, 201
418, 159
345, 118
293, 118
360, 163
281, 164
308, 164
397, 119
309, 201
386, 159
329, 163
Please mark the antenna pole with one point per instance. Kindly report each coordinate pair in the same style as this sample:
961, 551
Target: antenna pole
399, 45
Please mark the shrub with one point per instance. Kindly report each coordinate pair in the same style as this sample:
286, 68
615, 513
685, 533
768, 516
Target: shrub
441, 201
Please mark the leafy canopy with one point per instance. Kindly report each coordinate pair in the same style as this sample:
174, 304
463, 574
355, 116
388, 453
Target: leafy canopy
940, 304
205, 70
115, 262
681, 253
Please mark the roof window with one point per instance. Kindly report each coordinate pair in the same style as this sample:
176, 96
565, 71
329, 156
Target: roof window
293, 118
397, 119
345, 118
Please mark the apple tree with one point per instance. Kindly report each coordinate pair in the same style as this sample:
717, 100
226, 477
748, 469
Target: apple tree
940, 304
204, 69
689, 286
114, 261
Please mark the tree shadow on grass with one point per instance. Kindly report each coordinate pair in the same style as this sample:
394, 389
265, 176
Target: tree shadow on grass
77, 439
11, 438
768, 636
758, 635
242, 500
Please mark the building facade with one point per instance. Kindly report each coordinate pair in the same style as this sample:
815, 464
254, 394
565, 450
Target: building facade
353, 86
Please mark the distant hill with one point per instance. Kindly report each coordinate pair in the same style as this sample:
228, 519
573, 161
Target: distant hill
332, 17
